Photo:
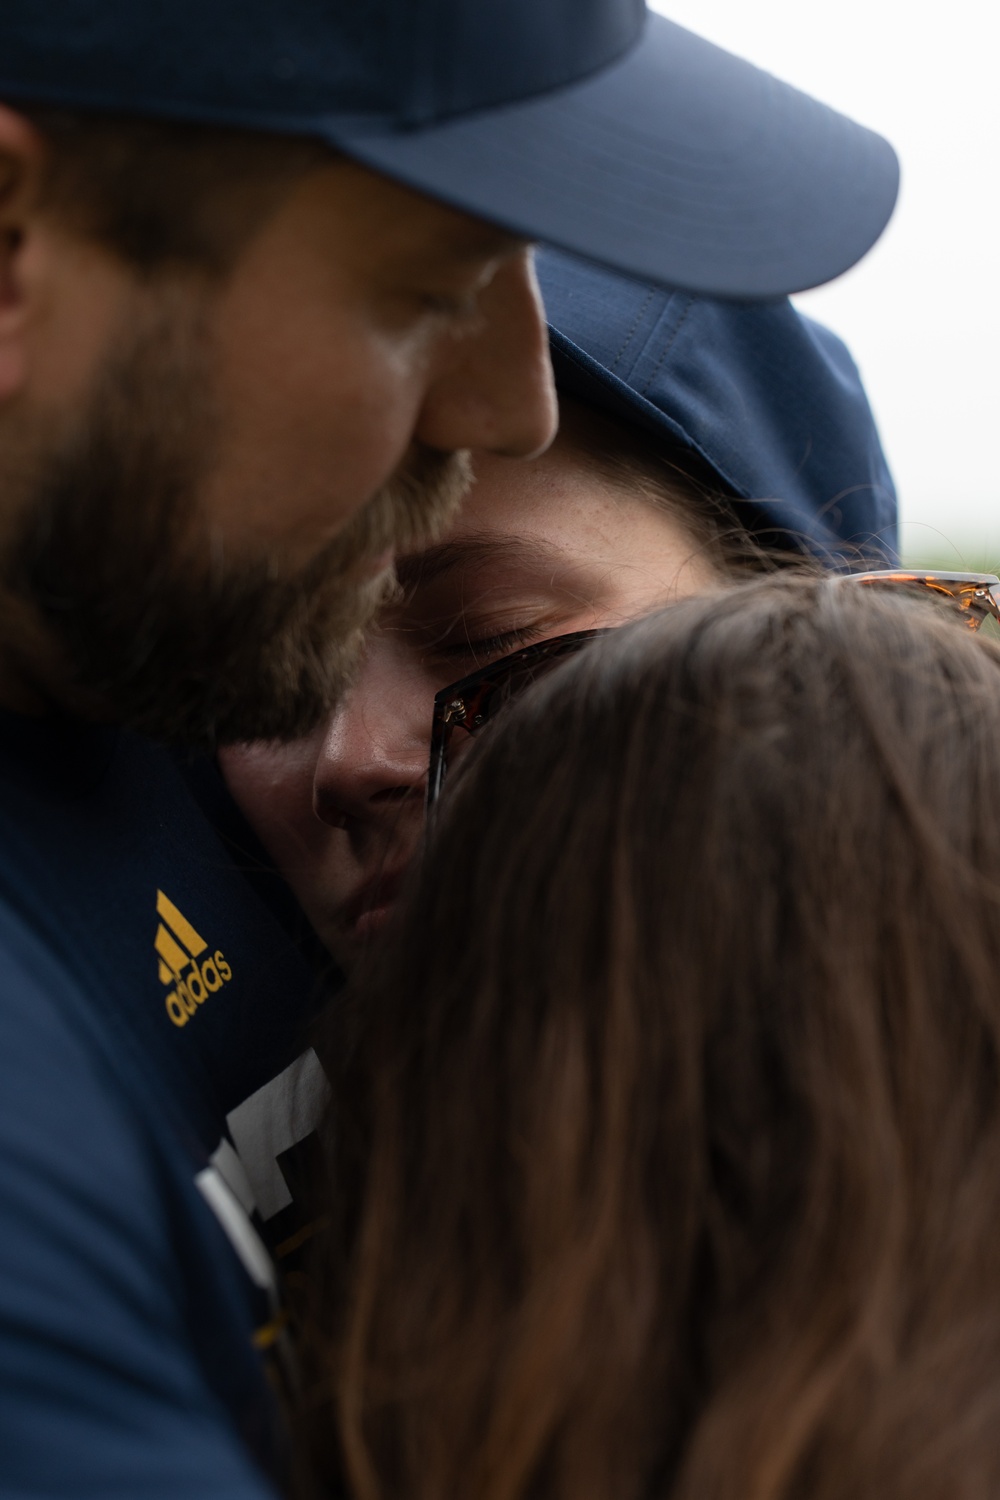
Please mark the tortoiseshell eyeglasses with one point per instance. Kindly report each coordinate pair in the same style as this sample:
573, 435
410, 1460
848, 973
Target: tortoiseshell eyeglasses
471, 703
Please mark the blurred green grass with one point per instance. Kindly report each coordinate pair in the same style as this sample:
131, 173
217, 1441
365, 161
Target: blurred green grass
971, 557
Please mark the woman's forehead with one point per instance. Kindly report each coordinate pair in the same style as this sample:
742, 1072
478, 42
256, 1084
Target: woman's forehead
555, 503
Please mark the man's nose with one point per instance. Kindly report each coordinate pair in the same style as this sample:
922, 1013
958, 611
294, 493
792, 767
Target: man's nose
372, 764
496, 390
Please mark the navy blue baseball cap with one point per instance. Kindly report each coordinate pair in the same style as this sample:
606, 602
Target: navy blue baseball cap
586, 123
769, 401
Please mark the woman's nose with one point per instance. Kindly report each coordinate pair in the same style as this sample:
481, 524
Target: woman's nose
373, 759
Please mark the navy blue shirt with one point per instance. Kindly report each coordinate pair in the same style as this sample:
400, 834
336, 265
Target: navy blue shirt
154, 1102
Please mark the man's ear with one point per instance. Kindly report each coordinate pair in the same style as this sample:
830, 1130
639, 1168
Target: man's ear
22, 159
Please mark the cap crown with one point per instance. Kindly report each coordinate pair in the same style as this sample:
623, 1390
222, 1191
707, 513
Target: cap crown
286, 62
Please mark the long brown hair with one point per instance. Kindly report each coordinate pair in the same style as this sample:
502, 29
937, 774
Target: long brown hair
668, 1126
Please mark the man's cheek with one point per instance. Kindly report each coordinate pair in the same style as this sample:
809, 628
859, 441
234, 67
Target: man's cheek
362, 435
321, 435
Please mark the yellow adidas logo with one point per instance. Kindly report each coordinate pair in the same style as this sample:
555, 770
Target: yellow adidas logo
190, 977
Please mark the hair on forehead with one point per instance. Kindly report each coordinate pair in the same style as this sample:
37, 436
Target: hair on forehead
668, 476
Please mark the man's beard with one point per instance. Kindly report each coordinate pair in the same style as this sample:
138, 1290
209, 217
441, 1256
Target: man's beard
150, 625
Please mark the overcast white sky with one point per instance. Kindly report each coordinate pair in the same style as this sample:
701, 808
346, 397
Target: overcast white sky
922, 312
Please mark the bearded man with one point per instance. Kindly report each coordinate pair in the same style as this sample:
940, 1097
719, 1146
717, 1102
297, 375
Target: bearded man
265, 278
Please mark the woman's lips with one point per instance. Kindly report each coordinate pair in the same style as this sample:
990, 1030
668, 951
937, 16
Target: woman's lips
370, 923
368, 909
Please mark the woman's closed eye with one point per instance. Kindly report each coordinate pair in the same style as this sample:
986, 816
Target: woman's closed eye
477, 650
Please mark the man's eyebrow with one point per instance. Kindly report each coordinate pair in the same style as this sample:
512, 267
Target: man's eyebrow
484, 241
420, 568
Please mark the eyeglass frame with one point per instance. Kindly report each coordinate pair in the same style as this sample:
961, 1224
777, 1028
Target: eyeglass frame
464, 704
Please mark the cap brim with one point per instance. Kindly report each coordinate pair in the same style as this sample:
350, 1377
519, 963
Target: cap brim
679, 164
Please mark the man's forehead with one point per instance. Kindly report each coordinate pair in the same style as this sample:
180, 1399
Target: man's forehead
453, 232
465, 239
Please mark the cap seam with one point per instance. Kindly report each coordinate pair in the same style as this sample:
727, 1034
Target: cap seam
631, 333
688, 303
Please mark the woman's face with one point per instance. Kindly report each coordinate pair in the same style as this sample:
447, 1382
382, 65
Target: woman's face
540, 549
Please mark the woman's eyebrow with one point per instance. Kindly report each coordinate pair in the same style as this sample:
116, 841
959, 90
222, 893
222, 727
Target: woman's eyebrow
421, 568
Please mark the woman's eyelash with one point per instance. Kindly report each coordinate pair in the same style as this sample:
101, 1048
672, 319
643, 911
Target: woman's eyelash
499, 644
